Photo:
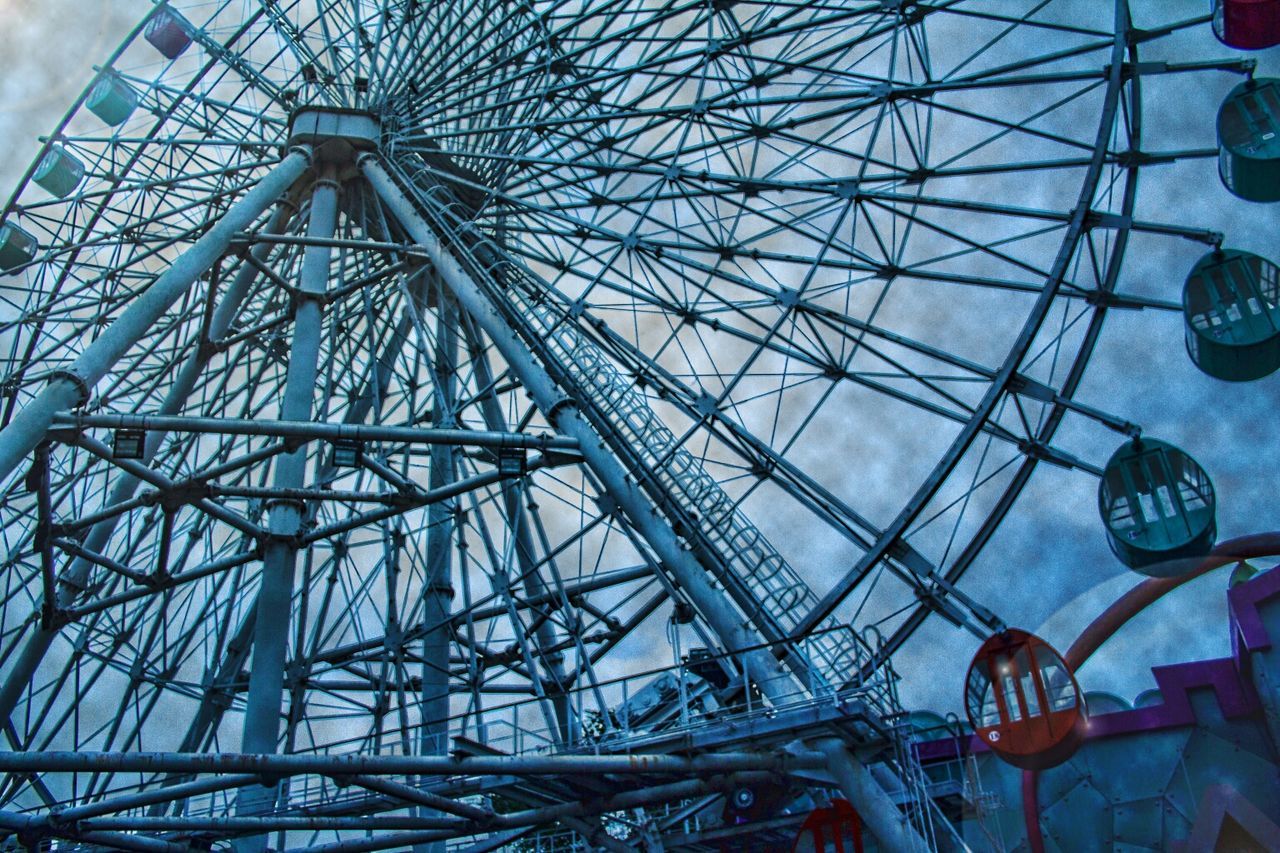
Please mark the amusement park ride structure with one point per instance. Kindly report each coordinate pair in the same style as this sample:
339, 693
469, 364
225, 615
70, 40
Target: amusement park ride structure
418, 429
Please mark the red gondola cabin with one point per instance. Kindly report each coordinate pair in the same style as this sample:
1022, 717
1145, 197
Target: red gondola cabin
1247, 24
1023, 702
834, 830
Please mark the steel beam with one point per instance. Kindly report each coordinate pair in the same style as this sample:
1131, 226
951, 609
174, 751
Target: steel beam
23, 824
237, 651
155, 796
433, 738
535, 588
357, 764
313, 430
570, 814
266, 678
418, 796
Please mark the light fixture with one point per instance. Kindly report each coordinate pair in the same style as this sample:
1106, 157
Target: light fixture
347, 453
512, 462
128, 443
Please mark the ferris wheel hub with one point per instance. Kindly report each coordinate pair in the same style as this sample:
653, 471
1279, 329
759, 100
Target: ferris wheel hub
335, 134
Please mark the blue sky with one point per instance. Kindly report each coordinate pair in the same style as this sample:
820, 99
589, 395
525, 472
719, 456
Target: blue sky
1049, 568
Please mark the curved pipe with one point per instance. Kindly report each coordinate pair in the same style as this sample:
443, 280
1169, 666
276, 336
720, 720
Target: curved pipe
1111, 620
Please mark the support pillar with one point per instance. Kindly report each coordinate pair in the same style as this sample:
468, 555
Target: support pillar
266, 677
285, 517
882, 817
438, 593
209, 714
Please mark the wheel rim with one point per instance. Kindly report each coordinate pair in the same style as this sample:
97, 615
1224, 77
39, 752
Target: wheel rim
683, 202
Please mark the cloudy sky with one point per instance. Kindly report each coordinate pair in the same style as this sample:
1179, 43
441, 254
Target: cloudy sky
48, 48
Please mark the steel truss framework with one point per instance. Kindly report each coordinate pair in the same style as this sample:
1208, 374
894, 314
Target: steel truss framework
441, 428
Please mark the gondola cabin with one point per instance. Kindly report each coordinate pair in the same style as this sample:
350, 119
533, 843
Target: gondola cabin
17, 247
58, 172
112, 99
1023, 702
1158, 506
1231, 307
167, 33
837, 829
1249, 140
1247, 24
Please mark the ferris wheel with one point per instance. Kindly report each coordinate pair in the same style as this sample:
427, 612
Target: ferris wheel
442, 423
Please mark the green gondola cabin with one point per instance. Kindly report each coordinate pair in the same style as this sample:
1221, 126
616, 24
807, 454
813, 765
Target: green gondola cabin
1249, 140
1158, 506
59, 172
17, 247
1231, 307
112, 100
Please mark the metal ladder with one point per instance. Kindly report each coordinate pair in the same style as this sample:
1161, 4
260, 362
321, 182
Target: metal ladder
781, 597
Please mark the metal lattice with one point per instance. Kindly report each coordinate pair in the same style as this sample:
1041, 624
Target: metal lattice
466, 425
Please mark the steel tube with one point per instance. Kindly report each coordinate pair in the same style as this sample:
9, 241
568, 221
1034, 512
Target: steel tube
153, 796
312, 430
272, 823
354, 764
669, 792
382, 842
534, 585
210, 710
437, 597
568, 813
331, 242
22, 823
410, 794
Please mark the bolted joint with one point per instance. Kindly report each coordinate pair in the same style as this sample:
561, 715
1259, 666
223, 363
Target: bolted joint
82, 386
327, 180
156, 580
270, 780
220, 698
30, 838
935, 598
182, 494
444, 590
58, 821
294, 443
240, 244
293, 540
554, 410
285, 520
53, 617
207, 349
302, 150
297, 297
1042, 452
